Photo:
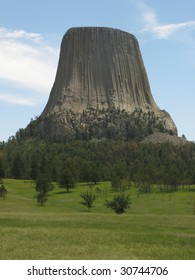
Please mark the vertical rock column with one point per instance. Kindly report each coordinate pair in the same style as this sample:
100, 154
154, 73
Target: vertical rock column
101, 68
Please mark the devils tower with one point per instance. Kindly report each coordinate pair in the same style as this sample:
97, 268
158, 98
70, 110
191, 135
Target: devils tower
101, 89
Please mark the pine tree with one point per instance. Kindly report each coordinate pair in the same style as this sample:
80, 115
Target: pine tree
43, 185
89, 199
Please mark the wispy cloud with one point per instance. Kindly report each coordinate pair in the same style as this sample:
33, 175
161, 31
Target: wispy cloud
17, 99
27, 61
20, 34
152, 25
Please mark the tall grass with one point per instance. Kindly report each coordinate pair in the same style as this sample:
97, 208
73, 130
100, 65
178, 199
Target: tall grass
157, 226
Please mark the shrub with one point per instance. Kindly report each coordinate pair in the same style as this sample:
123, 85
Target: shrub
119, 203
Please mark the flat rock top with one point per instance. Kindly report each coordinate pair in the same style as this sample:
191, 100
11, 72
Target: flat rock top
97, 29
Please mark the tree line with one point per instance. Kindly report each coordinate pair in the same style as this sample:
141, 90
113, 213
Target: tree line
145, 164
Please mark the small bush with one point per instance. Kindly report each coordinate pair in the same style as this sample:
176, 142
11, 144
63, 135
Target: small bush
119, 203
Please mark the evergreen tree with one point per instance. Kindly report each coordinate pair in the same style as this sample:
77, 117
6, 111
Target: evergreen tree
43, 185
2, 170
89, 199
18, 166
67, 180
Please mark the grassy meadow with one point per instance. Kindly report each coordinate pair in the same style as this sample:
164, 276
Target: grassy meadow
156, 226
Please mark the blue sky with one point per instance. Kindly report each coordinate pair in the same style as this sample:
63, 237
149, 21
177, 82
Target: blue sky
30, 37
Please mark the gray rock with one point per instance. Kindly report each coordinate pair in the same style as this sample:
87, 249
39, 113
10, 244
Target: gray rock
99, 69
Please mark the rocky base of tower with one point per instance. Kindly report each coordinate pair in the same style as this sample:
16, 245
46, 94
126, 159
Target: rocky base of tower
97, 124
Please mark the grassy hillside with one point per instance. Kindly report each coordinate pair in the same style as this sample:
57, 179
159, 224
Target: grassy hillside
157, 226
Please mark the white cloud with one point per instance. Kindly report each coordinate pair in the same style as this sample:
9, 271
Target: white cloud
160, 31
27, 61
16, 99
19, 34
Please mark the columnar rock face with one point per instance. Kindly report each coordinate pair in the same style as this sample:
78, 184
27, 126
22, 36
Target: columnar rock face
99, 70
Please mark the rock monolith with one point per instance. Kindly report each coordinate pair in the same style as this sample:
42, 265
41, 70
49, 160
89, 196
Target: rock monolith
101, 84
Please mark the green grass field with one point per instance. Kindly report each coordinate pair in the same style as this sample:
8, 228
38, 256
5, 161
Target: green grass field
157, 226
